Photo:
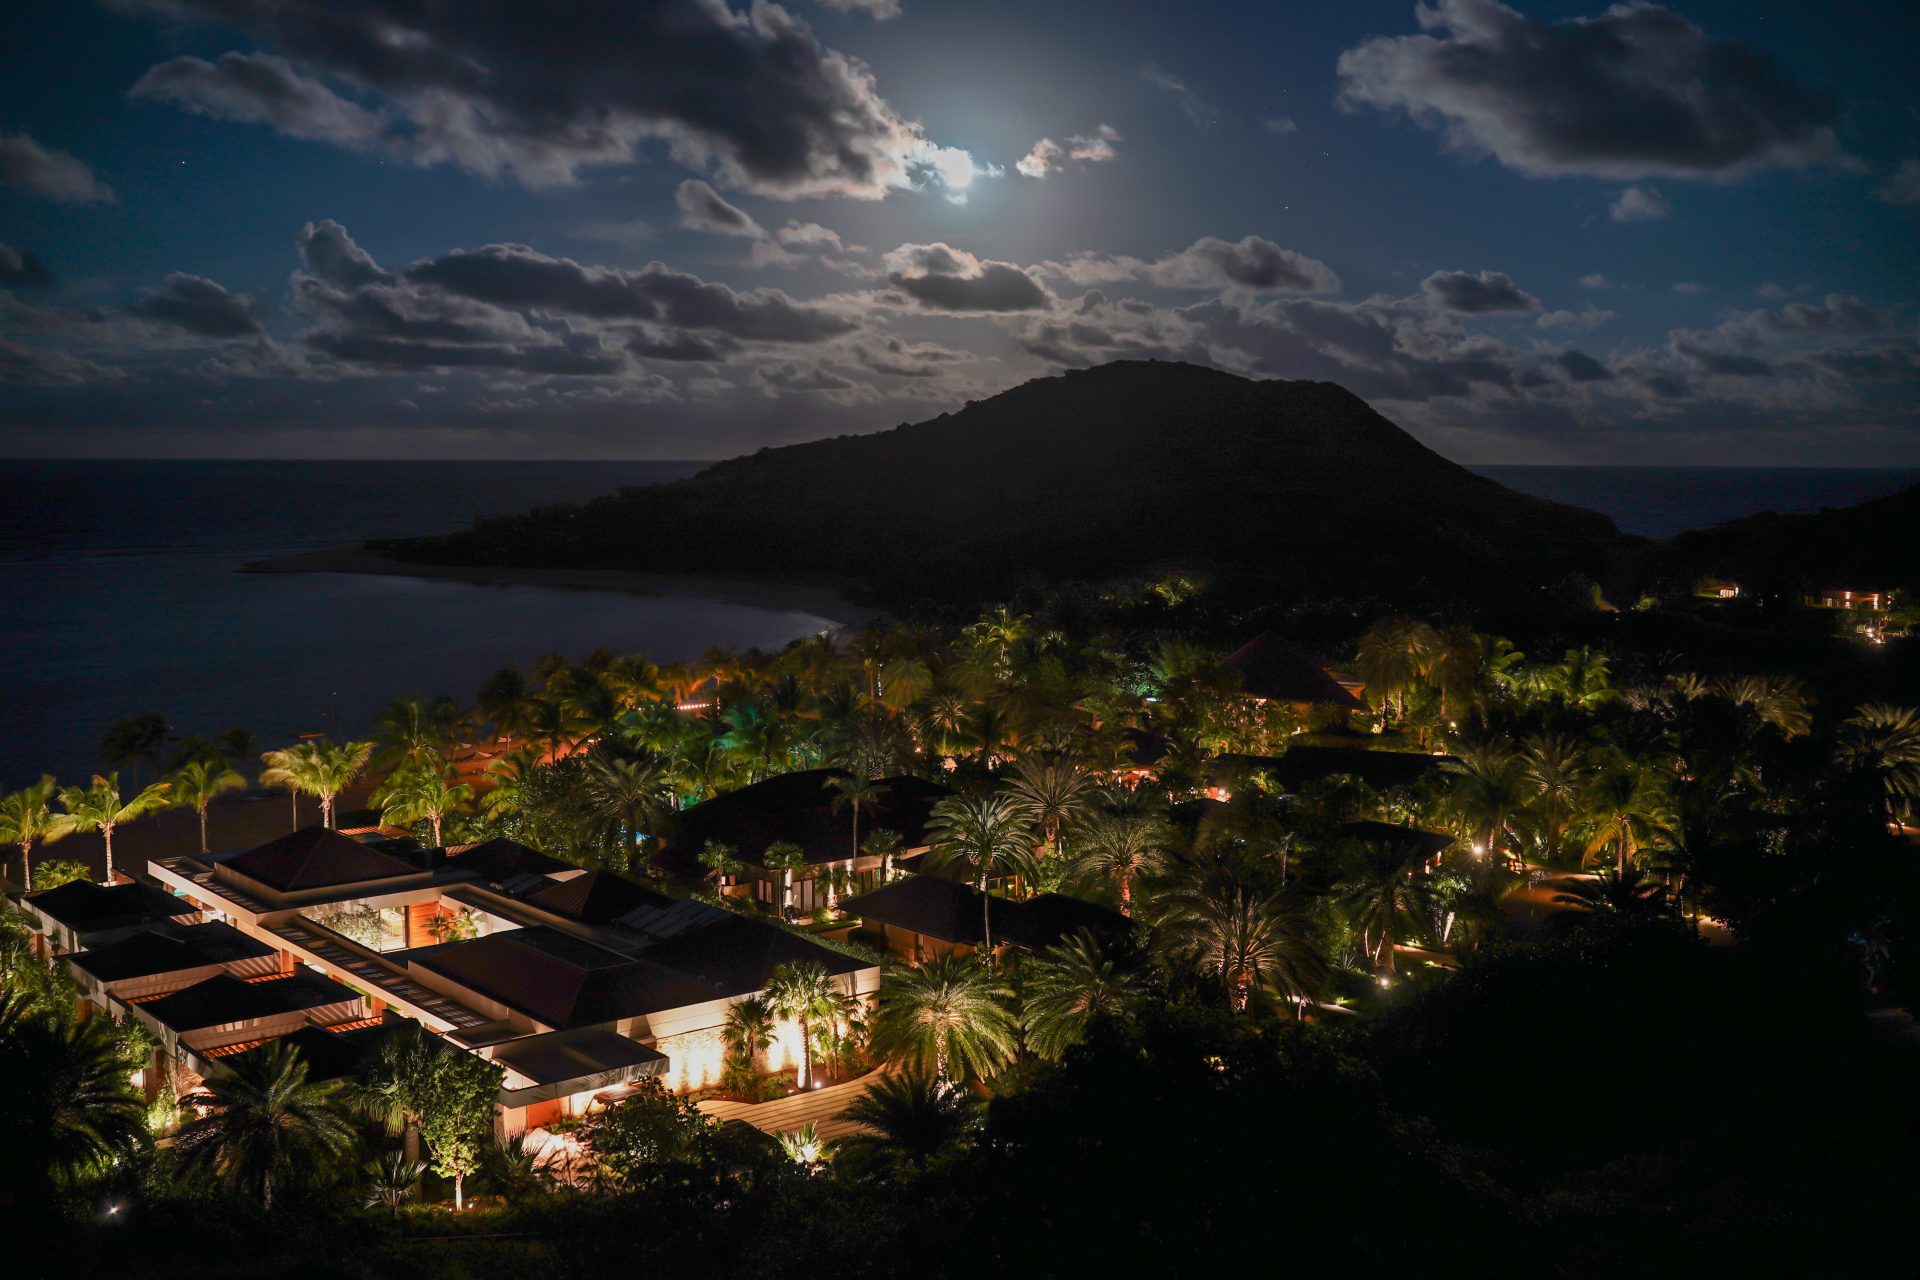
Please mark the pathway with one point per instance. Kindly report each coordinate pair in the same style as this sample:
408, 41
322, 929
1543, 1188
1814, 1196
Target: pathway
785, 1115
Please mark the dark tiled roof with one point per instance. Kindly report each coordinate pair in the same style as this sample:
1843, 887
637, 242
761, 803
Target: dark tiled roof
598, 897
1393, 834
224, 998
316, 858
168, 948
338, 1055
563, 981
86, 907
798, 808
949, 911
1271, 668
738, 954
503, 859
559, 1056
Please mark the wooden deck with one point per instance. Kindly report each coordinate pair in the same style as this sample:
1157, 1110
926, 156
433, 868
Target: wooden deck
786, 1115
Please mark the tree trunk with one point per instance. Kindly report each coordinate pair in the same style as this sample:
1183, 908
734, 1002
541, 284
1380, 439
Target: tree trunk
806, 1055
26, 865
203, 828
986, 916
1126, 896
410, 1143
106, 833
459, 1191
436, 831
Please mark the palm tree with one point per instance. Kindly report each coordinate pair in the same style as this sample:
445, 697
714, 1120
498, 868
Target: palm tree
1121, 847
1489, 790
853, 791
981, 836
624, 795
1556, 769
1055, 791
1069, 985
1883, 743
420, 791
1452, 664
198, 782
1632, 894
391, 1181
317, 768
1390, 657
136, 741
27, 818
788, 860
946, 1014
510, 774
1624, 808
71, 1112
1244, 937
1384, 892
267, 1123
390, 1081
749, 1032
505, 700
803, 991
1583, 677
98, 807
409, 731
909, 1116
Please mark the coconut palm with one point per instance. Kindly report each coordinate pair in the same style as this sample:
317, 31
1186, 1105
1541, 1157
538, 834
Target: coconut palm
1243, 937
390, 1081
99, 807
625, 798
1118, 849
409, 731
852, 791
504, 699
1624, 809
748, 1032
1390, 657
197, 783
390, 1181
1556, 769
1453, 664
979, 838
803, 991
1583, 677
1055, 791
510, 774
422, 791
1069, 985
908, 1116
135, 742
1883, 743
317, 768
27, 818
266, 1123
71, 1112
1386, 896
1490, 789
947, 1014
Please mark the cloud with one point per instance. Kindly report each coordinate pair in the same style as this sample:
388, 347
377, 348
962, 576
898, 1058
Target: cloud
1588, 317
199, 306
21, 270
331, 254
1593, 281
1489, 293
1048, 156
261, 89
1582, 367
797, 376
504, 90
1639, 204
878, 10
1635, 92
703, 209
898, 358
943, 278
47, 367
1688, 287
1253, 263
45, 172
1904, 186
1279, 125
1200, 113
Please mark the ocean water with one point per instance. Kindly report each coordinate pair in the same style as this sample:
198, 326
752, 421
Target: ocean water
118, 595
1658, 502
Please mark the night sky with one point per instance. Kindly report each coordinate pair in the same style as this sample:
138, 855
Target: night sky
680, 229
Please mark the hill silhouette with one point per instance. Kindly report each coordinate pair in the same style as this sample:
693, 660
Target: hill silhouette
1288, 487
1869, 546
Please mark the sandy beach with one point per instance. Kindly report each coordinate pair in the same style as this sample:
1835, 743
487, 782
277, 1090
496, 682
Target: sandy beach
797, 597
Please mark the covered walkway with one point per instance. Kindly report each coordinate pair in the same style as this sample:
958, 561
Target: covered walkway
821, 1107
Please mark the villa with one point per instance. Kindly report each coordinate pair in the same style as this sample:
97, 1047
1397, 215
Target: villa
1272, 670
922, 916
576, 982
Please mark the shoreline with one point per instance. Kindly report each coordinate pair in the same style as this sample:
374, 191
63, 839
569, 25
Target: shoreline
786, 597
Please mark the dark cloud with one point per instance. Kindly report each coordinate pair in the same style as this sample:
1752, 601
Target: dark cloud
898, 358
878, 10
1633, 92
948, 279
45, 172
1582, 367
673, 345
261, 89
1728, 364
1253, 263
199, 306
331, 254
1489, 293
515, 276
392, 353
797, 376
21, 270
703, 209
510, 89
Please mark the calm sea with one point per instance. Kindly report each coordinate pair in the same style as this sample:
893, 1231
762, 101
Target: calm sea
120, 597
1659, 502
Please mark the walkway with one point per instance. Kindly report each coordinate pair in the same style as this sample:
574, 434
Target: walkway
386, 981
786, 1115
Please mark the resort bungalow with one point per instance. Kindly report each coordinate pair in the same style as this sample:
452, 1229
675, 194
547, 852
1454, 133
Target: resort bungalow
1272, 670
1429, 846
81, 915
799, 810
922, 916
1848, 598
